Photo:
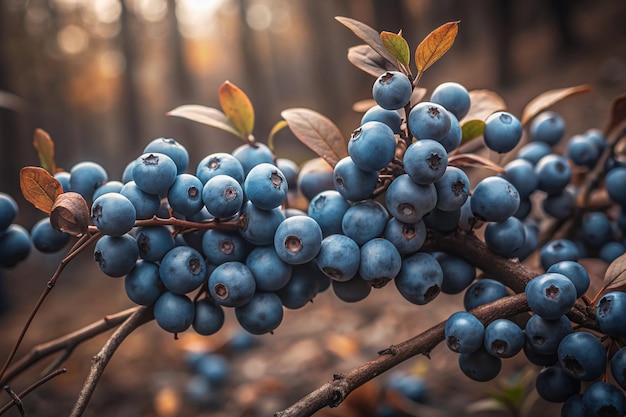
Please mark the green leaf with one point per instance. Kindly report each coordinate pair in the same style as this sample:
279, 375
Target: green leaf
397, 46
280, 125
369, 36
208, 116
482, 104
434, 46
237, 107
45, 150
472, 129
615, 275
317, 132
550, 98
366, 59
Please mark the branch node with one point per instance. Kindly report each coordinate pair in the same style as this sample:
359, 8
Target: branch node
391, 350
17, 401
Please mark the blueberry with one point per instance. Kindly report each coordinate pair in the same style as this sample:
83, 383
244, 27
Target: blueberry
407, 237
503, 338
171, 148
573, 407
208, 317
479, 365
582, 151
64, 178
146, 205
116, 255
463, 332
142, 284
408, 385
353, 290
533, 152
259, 226
553, 173
364, 221
429, 120
108, 187
265, 186
555, 385
223, 196
290, 170
389, 117
182, 270
352, 182
302, 287
575, 272
544, 336
214, 369
262, 314
392, 90
173, 312
252, 155
503, 132
547, 127
425, 161
219, 163
298, 240
537, 358
420, 278
520, 172
582, 356
610, 313
505, 238
467, 220
185, 195
315, 176
408, 201
618, 367
270, 272
550, 295
47, 239
494, 199
531, 242
15, 245
596, 228
443, 221
560, 205
153, 242
339, 257
611, 251
604, 399
113, 214
372, 146
557, 251
453, 188
85, 178
453, 96
452, 139
483, 291
614, 183
458, 274
232, 284
154, 173
380, 262
221, 246
327, 209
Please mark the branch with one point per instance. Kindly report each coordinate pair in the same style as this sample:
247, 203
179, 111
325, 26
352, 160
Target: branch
66, 343
99, 362
335, 392
16, 399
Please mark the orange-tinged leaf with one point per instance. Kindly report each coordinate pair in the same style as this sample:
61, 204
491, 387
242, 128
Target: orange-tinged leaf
476, 161
369, 35
206, 115
39, 187
318, 133
45, 149
366, 59
618, 114
237, 107
615, 275
434, 45
70, 214
472, 129
483, 103
550, 98
397, 46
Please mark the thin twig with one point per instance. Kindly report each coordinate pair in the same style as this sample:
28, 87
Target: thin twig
18, 397
100, 361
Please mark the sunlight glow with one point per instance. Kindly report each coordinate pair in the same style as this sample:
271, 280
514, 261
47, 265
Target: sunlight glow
196, 17
72, 40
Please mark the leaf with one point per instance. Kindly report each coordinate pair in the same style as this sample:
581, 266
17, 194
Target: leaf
39, 188
434, 45
45, 149
318, 133
70, 214
397, 46
364, 105
206, 115
618, 114
280, 125
417, 95
483, 103
472, 129
366, 59
369, 36
550, 98
11, 101
476, 161
237, 107
615, 275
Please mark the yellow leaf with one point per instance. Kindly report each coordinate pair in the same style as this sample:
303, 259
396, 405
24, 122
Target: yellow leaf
39, 188
280, 125
434, 46
237, 107
45, 149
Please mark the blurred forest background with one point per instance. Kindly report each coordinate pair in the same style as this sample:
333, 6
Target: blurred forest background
99, 75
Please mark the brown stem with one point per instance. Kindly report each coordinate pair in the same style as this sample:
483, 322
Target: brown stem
334, 392
17, 399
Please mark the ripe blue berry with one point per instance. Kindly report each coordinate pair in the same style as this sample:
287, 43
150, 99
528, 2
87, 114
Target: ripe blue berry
392, 90
610, 313
146, 205
555, 385
429, 120
408, 201
553, 173
262, 314
219, 163
154, 173
142, 284
173, 312
494, 199
425, 161
582, 356
453, 188
463, 332
153, 242
520, 172
407, 237
533, 152
298, 240
113, 214
547, 127
223, 196
575, 272
380, 262
339, 257
479, 365
231, 284
185, 195
182, 269
615, 180
453, 96
8, 211
389, 117
557, 251
265, 186
259, 226
544, 336
208, 316
364, 221
252, 155
221, 246
604, 399
352, 182
582, 151
352, 290
550, 295
171, 148
302, 287
47, 239
505, 238
503, 132
419, 280
503, 338
15, 245
483, 291
270, 272
85, 178
327, 209
458, 274
372, 146
315, 176
116, 255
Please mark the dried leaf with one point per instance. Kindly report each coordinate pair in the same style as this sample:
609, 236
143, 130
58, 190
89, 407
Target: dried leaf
11, 101
39, 187
206, 115
318, 133
364, 105
397, 46
618, 113
366, 59
472, 129
237, 107
476, 161
369, 36
434, 45
70, 214
550, 98
615, 275
277, 128
417, 95
45, 149
483, 103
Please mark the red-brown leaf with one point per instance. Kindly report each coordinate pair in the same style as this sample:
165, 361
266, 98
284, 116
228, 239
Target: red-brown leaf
39, 187
476, 161
366, 59
70, 214
550, 98
618, 114
369, 36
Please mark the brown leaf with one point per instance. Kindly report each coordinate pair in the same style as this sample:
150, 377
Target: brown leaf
434, 46
39, 187
364, 105
366, 59
317, 132
483, 103
237, 107
476, 161
206, 115
369, 36
615, 275
417, 95
397, 46
550, 98
70, 214
45, 149
618, 113
472, 129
